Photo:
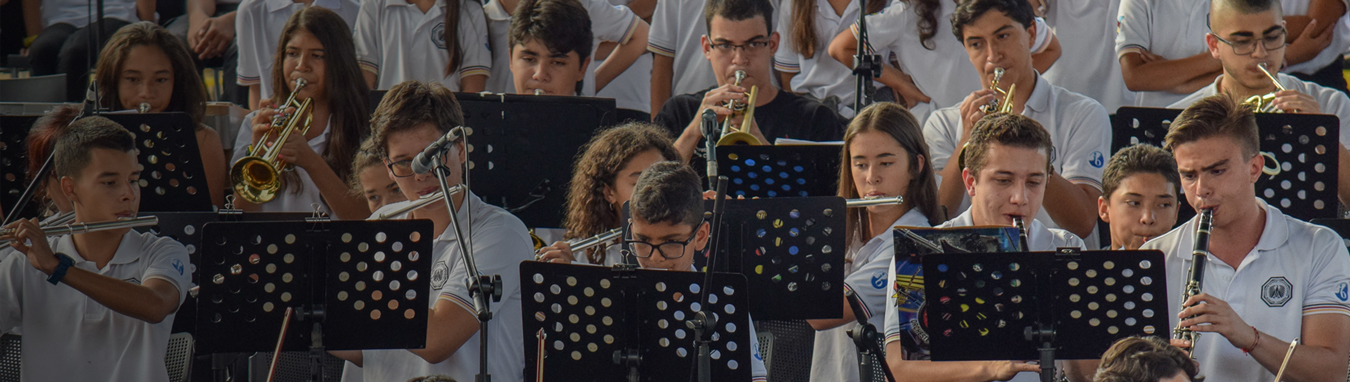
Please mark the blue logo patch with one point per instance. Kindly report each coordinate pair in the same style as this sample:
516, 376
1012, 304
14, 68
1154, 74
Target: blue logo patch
879, 280
1344, 292
178, 266
1098, 160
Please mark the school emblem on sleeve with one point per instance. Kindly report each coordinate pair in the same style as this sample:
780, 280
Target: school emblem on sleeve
440, 273
1098, 160
1277, 291
1343, 292
438, 35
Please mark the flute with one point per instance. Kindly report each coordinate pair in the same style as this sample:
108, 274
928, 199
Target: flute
419, 203
143, 221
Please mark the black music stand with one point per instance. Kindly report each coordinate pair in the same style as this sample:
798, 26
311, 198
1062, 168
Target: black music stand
773, 171
368, 281
611, 324
172, 178
1041, 305
1305, 147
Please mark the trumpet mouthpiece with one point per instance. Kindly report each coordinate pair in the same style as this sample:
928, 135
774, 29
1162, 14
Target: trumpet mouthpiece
143, 108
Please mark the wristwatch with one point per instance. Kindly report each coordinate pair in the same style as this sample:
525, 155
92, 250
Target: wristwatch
64, 265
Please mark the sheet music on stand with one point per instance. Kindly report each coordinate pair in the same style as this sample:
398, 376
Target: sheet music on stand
1302, 146
369, 280
773, 171
592, 316
172, 178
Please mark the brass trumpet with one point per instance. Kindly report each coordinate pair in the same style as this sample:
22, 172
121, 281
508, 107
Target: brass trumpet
747, 108
143, 221
994, 105
143, 108
1264, 103
256, 177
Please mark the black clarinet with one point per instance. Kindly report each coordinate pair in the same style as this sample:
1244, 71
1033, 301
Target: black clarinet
1195, 278
1021, 233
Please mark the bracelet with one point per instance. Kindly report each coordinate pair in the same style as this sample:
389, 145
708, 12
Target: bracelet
63, 265
1256, 341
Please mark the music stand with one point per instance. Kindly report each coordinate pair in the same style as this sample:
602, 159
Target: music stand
366, 280
608, 324
1304, 146
772, 171
1041, 305
14, 162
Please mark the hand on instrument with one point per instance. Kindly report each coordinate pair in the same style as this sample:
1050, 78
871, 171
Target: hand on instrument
970, 110
1006, 370
296, 151
262, 120
1216, 316
710, 195
1292, 101
29, 239
559, 251
715, 99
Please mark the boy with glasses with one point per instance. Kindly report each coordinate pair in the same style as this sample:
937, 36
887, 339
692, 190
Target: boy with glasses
667, 228
741, 38
1247, 33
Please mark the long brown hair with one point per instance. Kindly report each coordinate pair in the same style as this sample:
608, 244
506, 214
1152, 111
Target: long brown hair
588, 213
347, 92
189, 95
928, 19
897, 122
803, 26
452, 36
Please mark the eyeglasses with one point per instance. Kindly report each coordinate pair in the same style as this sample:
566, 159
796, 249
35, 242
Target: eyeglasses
644, 249
749, 47
1248, 46
401, 169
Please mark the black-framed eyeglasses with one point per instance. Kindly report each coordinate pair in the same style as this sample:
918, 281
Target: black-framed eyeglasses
643, 249
1248, 46
401, 169
749, 47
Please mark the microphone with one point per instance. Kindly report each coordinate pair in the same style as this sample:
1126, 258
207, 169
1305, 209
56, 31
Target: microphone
424, 161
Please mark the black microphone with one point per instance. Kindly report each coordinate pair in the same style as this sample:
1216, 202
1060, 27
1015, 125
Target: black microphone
423, 162
709, 127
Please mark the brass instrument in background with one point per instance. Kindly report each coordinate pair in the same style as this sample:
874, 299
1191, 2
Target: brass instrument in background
143, 108
994, 105
1195, 277
747, 108
538, 91
256, 177
143, 221
1264, 103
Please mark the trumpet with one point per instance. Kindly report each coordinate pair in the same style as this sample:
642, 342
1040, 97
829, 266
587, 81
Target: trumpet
538, 91
143, 108
142, 221
256, 177
747, 108
1264, 103
419, 203
1196, 276
994, 105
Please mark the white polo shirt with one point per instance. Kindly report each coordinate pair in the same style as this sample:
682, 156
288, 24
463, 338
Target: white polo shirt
1331, 101
1087, 66
397, 42
76, 12
1039, 237
1168, 28
287, 201
836, 357
677, 31
70, 337
943, 73
258, 26
1340, 38
500, 243
821, 75
1296, 270
1078, 126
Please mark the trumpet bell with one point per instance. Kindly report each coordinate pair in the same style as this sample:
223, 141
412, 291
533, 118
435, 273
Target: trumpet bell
739, 138
255, 179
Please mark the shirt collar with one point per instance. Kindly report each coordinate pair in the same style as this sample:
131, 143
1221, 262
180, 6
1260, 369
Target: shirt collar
465, 221
1276, 231
128, 249
495, 11
1040, 96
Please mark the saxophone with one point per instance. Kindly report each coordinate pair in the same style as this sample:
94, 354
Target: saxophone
1195, 277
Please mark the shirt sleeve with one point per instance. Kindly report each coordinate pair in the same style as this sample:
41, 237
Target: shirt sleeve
614, 23
942, 133
869, 282
169, 262
826, 124
674, 115
499, 247
885, 28
786, 59
1043, 36
1084, 154
664, 29
758, 373
11, 290
1132, 27
367, 36
248, 33
1328, 287
892, 328
473, 40
244, 138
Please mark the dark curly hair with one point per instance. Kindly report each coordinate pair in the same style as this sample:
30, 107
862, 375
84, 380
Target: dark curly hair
588, 213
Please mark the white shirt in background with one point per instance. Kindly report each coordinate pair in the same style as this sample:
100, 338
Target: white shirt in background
1340, 38
258, 26
1331, 101
821, 75
1168, 28
76, 12
286, 201
677, 31
398, 42
943, 73
1088, 66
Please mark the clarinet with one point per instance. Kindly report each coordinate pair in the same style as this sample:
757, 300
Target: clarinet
1022, 233
1195, 277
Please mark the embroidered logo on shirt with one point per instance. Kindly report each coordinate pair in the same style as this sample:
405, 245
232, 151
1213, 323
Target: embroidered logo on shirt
1343, 292
879, 280
438, 35
178, 266
440, 273
1277, 291
1098, 160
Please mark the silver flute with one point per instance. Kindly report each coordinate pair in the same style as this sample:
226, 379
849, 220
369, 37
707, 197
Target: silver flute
143, 221
419, 203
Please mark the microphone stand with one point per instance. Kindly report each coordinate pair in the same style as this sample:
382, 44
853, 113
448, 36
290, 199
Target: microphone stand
702, 323
865, 337
865, 66
710, 131
481, 287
